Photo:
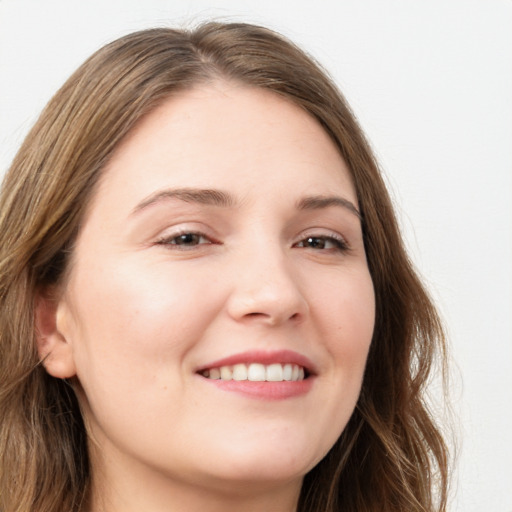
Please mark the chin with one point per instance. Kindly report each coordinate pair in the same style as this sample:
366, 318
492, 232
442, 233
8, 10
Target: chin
255, 478
265, 463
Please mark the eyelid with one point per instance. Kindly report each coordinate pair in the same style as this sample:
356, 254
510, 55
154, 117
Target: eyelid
325, 234
169, 238
171, 234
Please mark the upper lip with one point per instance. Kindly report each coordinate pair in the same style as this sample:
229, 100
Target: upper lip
263, 357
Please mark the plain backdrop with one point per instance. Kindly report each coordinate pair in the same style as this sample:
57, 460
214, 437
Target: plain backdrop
431, 83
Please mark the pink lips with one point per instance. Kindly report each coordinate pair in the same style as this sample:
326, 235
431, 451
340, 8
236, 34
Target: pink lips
264, 390
257, 356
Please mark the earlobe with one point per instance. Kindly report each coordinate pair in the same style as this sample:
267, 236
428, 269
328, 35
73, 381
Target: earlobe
53, 346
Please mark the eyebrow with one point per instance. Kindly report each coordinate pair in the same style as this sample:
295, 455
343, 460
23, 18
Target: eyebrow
216, 197
319, 202
188, 195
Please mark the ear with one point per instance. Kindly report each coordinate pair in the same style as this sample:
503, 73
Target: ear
53, 346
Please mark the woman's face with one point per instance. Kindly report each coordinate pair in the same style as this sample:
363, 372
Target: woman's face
223, 242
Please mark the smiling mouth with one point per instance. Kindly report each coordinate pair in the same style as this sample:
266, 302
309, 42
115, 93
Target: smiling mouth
257, 372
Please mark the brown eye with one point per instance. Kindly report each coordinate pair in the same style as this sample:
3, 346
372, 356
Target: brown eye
322, 243
185, 240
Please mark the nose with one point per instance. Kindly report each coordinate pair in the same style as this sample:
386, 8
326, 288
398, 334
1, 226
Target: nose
266, 290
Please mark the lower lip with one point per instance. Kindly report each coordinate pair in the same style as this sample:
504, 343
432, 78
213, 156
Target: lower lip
264, 390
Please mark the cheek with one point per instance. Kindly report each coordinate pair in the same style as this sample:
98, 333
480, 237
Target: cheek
358, 323
348, 312
131, 332
158, 300
135, 321
345, 316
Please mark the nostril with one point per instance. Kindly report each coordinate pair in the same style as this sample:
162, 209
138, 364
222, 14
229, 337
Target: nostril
272, 319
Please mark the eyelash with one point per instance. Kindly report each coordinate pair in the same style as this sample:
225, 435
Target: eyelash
171, 240
338, 244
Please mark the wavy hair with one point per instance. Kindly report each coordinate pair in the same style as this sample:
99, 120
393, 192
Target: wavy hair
390, 457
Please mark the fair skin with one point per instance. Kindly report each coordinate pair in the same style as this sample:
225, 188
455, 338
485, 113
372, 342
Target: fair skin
172, 284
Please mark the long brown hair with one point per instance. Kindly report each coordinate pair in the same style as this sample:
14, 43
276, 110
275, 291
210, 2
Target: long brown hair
390, 457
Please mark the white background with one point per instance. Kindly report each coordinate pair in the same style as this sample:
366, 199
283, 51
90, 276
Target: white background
431, 83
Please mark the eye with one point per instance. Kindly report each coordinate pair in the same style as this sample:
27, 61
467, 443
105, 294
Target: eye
329, 243
185, 240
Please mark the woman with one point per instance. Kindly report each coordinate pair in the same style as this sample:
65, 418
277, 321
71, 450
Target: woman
206, 303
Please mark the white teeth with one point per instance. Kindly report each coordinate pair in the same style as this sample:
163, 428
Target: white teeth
275, 372
226, 373
257, 372
287, 372
239, 372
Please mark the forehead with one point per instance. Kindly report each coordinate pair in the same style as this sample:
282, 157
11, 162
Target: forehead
227, 135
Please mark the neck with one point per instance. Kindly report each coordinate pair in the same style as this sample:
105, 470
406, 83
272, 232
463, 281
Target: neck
181, 498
